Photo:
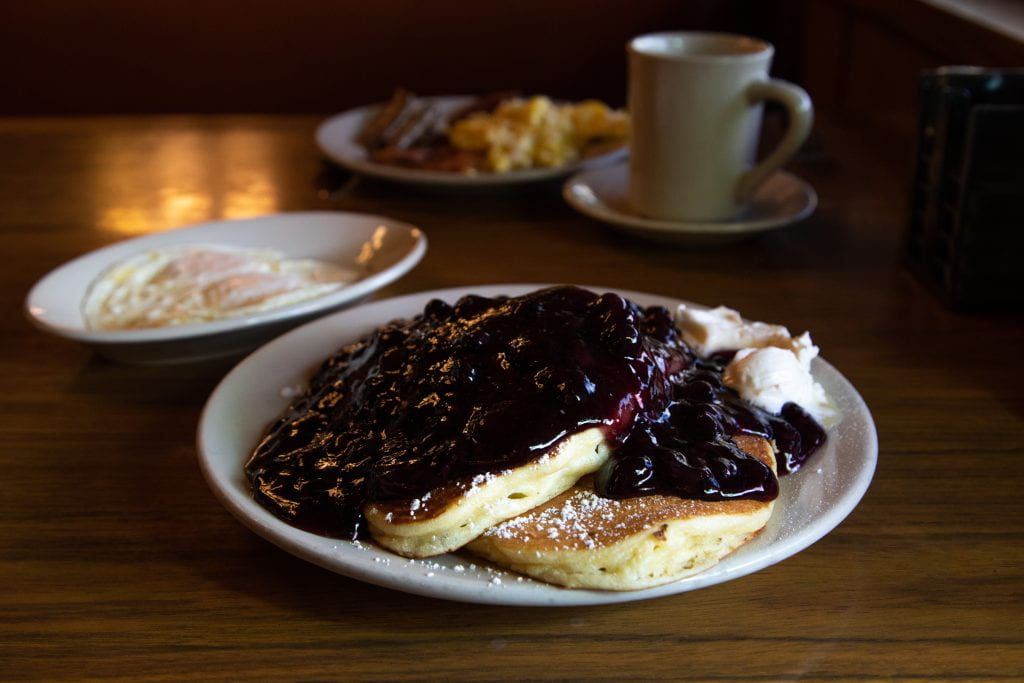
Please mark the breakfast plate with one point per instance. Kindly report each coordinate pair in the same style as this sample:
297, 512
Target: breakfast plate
812, 502
376, 249
603, 194
336, 138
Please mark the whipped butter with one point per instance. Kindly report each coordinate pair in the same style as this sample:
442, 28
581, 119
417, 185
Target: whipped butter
770, 367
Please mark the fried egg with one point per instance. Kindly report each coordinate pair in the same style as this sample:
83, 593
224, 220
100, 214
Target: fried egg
195, 283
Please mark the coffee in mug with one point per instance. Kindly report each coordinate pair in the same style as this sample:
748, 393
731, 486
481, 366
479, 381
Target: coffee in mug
695, 101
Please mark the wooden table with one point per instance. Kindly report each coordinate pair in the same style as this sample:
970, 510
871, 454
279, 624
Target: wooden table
117, 561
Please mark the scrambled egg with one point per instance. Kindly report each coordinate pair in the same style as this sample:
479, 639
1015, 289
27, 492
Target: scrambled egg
537, 133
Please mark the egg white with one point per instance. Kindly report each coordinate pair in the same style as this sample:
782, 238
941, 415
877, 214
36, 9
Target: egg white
195, 283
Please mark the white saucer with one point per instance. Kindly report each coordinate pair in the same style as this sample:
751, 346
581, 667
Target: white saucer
602, 194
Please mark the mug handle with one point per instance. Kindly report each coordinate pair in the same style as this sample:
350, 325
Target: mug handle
801, 115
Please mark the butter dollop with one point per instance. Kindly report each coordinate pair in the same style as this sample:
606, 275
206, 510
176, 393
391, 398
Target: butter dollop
770, 367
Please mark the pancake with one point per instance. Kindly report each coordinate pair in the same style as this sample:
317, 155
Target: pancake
581, 540
454, 514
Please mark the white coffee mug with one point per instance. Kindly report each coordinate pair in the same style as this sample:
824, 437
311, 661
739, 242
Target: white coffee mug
695, 101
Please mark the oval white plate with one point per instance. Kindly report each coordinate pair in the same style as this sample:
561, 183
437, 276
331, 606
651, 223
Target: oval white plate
336, 138
811, 504
381, 249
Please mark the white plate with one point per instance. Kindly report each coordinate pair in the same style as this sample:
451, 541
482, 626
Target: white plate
812, 502
336, 138
381, 249
603, 194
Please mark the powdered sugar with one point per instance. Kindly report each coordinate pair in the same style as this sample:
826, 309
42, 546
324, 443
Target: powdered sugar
571, 524
441, 568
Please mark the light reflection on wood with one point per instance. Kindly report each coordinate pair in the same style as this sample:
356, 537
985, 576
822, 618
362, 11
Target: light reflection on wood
197, 177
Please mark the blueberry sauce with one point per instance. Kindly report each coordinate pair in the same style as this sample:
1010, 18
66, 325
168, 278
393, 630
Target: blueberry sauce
488, 384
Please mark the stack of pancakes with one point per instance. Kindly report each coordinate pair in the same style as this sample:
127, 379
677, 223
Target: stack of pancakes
544, 520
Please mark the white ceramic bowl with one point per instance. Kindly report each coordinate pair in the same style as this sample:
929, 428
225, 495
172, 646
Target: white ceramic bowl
381, 249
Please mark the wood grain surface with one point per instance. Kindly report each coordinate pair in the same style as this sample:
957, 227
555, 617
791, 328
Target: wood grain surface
116, 561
